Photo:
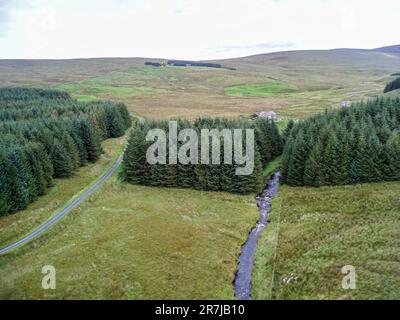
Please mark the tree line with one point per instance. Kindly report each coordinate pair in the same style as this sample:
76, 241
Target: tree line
392, 85
353, 145
184, 63
211, 177
45, 134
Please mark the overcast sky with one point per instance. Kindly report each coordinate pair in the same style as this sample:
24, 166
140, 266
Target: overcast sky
191, 29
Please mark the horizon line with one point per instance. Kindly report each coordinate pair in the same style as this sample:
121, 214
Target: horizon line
228, 58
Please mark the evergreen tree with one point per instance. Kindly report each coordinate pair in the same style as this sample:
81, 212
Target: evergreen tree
36, 170
392, 149
5, 188
136, 169
39, 126
297, 160
89, 138
313, 167
62, 163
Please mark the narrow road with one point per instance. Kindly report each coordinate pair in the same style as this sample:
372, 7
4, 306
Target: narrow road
65, 211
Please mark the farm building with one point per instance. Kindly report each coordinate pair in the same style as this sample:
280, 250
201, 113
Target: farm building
346, 104
269, 115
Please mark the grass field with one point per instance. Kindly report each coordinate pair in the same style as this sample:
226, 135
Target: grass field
132, 242
15, 226
294, 84
272, 167
315, 232
271, 89
110, 87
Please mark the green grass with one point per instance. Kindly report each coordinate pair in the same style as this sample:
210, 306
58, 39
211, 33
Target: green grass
154, 70
85, 98
282, 125
15, 226
134, 242
272, 167
315, 232
89, 91
260, 90
293, 84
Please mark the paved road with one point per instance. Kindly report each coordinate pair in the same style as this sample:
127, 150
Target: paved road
65, 211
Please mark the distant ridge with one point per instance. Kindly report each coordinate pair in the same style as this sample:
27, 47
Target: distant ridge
389, 49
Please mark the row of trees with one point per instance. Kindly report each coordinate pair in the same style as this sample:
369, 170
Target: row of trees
354, 145
184, 63
213, 177
45, 134
392, 85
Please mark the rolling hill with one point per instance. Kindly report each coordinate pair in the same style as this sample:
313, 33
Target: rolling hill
137, 242
317, 78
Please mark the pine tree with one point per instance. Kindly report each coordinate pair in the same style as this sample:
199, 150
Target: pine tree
298, 158
287, 131
28, 191
17, 188
5, 188
36, 170
45, 163
89, 138
286, 156
313, 167
393, 151
30, 121
136, 170
62, 163
71, 149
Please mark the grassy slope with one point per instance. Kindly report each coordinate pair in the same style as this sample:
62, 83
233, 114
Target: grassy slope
272, 167
14, 226
321, 79
132, 242
270, 89
136, 242
315, 232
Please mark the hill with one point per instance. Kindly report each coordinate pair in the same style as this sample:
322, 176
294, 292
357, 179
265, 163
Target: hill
137, 242
295, 84
389, 49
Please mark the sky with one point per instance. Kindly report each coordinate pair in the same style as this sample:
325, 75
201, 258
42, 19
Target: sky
191, 29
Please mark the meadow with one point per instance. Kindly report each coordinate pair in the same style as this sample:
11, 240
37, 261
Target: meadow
134, 242
294, 84
314, 232
260, 90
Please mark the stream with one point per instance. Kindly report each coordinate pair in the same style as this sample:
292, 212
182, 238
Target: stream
242, 283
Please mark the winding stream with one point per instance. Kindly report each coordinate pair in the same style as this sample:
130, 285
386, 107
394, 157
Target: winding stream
242, 283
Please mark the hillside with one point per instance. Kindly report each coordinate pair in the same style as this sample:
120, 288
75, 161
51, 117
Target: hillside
389, 49
148, 242
308, 82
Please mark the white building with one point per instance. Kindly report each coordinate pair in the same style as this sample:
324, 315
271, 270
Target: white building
269, 115
346, 104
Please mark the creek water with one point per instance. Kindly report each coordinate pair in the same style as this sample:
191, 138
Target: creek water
242, 283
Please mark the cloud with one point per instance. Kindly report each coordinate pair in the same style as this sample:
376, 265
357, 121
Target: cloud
262, 45
6, 10
190, 29
4, 15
